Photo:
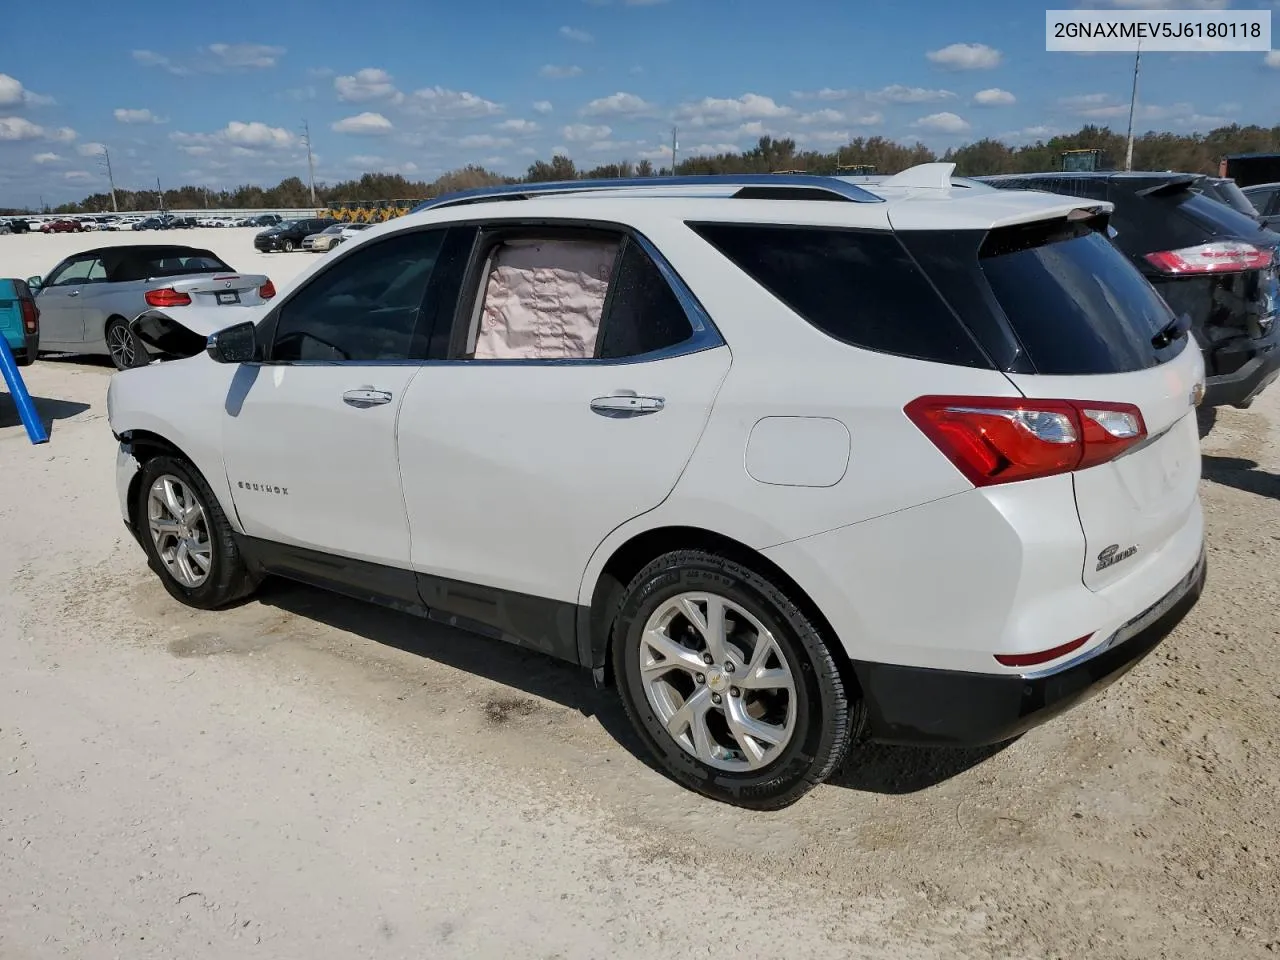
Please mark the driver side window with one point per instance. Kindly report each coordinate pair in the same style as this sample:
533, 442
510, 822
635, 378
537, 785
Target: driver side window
76, 271
366, 307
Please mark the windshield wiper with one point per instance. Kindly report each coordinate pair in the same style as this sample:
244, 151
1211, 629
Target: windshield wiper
1175, 329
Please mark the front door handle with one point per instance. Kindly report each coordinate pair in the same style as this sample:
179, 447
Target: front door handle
626, 405
366, 397
73, 293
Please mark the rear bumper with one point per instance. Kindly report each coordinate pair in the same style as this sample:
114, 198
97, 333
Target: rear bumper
917, 705
1241, 387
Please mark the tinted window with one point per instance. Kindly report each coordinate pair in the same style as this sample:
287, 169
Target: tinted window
1074, 301
858, 287
1217, 217
364, 307
643, 314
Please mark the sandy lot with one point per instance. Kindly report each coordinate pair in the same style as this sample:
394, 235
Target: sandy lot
308, 777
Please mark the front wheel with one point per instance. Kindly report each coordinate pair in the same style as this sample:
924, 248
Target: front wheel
124, 347
287, 246
731, 687
187, 537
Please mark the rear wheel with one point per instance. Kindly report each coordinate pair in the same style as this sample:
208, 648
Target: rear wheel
124, 347
729, 684
187, 536
287, 246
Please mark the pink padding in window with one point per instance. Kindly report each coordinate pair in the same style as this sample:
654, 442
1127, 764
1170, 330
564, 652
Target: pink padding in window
543, 300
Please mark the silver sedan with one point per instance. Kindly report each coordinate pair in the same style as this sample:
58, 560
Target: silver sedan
89, 300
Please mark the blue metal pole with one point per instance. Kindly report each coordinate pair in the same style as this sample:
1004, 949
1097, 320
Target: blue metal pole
18, 390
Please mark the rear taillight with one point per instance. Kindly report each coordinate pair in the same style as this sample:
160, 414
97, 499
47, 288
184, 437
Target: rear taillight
267, 290
1226, 256
167, 297
999, 439
30, 316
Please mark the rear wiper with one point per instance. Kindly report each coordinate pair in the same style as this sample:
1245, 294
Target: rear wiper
1175, 329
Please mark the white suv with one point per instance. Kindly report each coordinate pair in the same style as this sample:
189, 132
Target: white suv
791, 459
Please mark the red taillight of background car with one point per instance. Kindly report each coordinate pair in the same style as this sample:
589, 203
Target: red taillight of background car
30, 316
995, 440
1226, 256
267, 290
167, 297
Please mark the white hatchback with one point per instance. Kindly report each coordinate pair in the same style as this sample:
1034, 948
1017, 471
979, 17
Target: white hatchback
789, 459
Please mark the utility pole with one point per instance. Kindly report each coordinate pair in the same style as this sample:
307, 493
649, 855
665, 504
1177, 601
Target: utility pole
1133, 104
675, 145
106, 156
160, 194
311, 167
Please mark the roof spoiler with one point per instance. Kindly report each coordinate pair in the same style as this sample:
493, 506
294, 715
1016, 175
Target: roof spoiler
934, 176
1182, 181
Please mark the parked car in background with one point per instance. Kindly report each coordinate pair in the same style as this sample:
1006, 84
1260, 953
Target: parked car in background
786, 458
161, 222
62, 225
264, 220
1266, 198
89, 300
288, 236
1213, 265
351, 230
1225, 190
18, 225
19, 321
326, 239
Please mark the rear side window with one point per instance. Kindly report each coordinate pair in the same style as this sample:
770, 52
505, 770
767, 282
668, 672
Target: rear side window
860, 287
1218, 217
1074, 301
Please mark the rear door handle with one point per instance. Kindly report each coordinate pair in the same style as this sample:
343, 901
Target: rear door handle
626, 405
366, 397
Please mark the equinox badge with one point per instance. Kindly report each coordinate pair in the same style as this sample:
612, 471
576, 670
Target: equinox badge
1112, 555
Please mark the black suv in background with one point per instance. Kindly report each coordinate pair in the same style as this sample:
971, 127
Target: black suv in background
1266, 198
1210, 262
288, 236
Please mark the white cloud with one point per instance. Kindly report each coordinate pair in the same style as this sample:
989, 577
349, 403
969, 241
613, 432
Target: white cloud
483, 141
365, 160
1161, 4
77, 176
966, 56
364, 124
616, 104
518, 125
20, 128
13, 94
256, 134
582, 132
91, 149
1272, 59
994, 97
942, 123
364, 85
542, 106
713, 111
43, 158
196, 149
826, 93
557, 72
573, 33
245, 55
822, 116
443, 103
149, 58
126, 115
897, 93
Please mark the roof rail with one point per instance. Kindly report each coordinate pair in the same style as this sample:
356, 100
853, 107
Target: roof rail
746, 184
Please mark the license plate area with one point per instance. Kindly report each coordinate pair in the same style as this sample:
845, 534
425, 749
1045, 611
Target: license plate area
228, 296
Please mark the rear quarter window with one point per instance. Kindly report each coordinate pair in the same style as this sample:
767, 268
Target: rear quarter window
859, 287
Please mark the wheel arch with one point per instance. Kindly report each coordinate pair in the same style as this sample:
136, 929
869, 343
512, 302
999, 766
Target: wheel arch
146, 445
596, 619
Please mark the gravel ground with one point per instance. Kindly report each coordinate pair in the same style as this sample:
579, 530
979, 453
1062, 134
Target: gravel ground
308, 777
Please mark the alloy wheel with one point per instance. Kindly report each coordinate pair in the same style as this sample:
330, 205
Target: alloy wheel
718, 682
120, 346
180, 530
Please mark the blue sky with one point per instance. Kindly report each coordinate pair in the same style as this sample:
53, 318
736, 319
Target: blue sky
217, 95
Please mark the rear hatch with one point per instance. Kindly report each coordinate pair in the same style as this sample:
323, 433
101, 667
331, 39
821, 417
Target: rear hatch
1075, 326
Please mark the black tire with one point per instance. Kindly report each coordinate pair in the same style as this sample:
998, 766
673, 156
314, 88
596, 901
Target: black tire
229, 579
287, 246
131, 352
828, 716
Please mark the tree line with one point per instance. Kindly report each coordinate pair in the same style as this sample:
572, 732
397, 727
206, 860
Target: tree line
1191, 153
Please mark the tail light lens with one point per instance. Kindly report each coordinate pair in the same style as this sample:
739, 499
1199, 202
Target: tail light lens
30, 316
167, 297
267, 290
1227, 256
1041, 656
1001, 440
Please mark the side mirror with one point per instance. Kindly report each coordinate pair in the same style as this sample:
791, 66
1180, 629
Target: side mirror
237, 344
35, 283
